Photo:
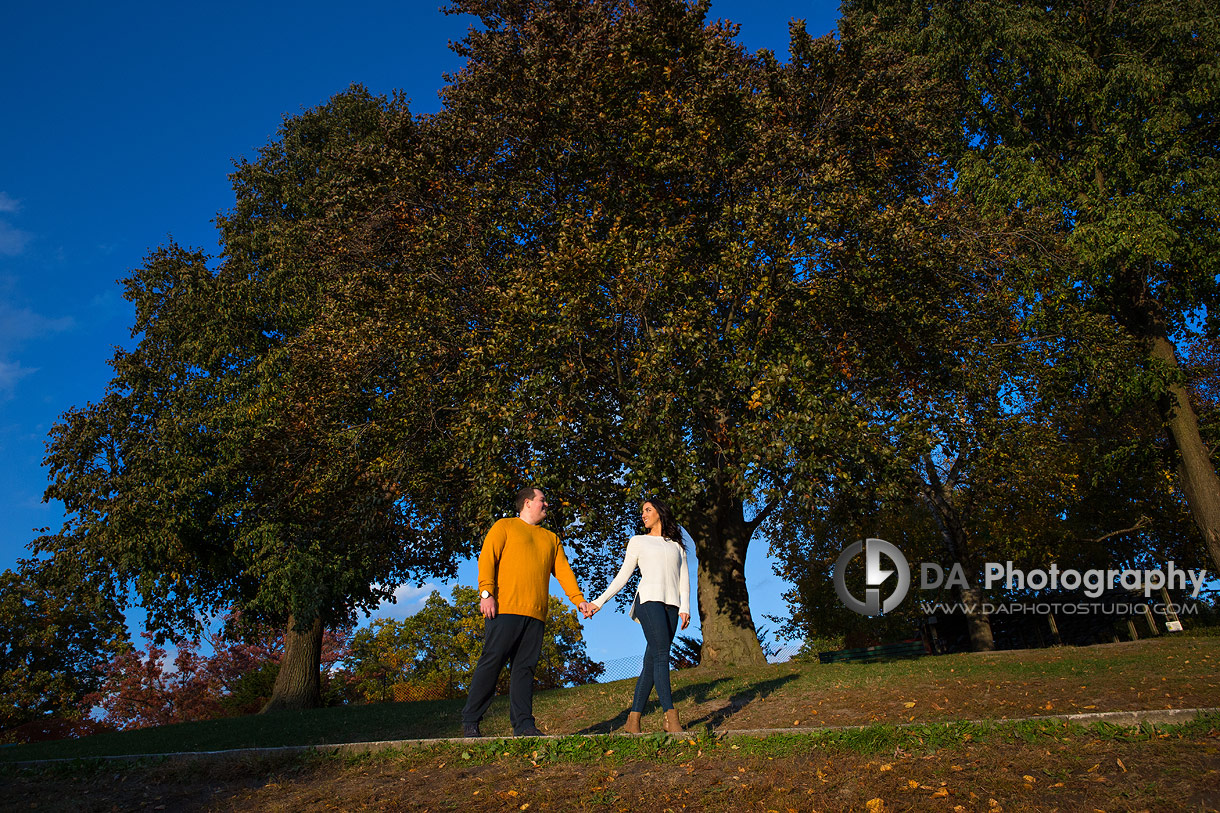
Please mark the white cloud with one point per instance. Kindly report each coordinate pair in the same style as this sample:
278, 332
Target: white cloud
410, 600
10, 374
12, 239
21, 324
17, 326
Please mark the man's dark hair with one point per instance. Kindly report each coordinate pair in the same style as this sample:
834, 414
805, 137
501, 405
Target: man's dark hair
526, 493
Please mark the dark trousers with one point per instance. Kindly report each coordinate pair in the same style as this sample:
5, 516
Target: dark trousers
507, 638
660, 623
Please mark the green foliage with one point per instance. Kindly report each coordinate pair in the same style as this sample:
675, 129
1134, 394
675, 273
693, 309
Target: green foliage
55, 644
719, 277
248, 453
432, 654
859, 293
1102, 117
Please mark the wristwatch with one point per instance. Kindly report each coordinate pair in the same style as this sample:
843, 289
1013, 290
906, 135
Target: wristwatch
485, 594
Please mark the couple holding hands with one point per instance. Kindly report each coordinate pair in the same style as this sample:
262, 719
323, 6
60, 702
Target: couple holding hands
515, 568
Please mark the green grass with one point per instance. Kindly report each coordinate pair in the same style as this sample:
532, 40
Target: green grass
1126, 677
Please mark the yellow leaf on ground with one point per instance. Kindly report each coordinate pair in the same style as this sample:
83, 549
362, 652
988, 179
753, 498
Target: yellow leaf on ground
875, 806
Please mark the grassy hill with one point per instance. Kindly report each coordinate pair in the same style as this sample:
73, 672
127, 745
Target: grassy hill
941, 754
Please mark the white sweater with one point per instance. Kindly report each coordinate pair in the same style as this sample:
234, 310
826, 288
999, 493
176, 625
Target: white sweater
663, 573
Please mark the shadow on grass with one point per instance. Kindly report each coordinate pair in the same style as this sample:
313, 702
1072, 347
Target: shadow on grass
737, 700
700, 693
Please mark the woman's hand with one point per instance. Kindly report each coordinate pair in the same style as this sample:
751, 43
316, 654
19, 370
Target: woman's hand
685, 619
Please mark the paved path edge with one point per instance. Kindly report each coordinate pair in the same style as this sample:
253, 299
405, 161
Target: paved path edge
1115, 717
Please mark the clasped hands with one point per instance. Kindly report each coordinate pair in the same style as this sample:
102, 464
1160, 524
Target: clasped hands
588, 609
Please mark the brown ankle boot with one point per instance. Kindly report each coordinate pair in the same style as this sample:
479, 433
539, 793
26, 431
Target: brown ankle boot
633, 723
671, 722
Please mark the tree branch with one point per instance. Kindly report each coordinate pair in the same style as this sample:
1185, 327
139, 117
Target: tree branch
1140, 525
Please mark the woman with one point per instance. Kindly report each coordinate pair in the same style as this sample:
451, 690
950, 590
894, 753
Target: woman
662, 599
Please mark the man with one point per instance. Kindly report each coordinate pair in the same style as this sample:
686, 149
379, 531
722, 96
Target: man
515, 571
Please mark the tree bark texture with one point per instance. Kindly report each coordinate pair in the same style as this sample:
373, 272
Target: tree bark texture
722, 538
954, 535
977, 622
298, 684
1197, 472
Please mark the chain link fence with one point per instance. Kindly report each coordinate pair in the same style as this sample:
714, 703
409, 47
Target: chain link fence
629, 666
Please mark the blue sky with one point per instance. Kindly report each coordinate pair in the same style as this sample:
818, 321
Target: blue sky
121, 125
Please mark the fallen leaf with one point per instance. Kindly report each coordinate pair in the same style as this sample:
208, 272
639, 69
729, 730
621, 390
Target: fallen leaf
909, 704
942, 792
875, 806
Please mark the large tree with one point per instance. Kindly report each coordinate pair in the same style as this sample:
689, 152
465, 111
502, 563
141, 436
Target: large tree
248, 453
1103, 113
710, 267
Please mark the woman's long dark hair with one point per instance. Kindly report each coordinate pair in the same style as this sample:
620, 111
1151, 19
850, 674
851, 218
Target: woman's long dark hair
669, 525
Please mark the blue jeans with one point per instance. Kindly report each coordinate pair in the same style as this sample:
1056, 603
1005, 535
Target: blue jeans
660, 623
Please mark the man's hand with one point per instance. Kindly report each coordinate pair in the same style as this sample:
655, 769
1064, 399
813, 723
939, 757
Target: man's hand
588, 609
488, 607
685, 619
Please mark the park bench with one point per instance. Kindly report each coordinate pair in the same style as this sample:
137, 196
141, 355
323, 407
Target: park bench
869, 654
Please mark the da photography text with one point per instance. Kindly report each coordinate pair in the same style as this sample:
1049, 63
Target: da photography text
932, 576
1094, 582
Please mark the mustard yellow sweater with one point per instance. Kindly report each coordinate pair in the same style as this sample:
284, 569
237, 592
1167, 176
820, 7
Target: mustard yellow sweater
516, 565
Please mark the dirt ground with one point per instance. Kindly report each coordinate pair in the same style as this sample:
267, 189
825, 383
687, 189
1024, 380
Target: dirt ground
1075, 774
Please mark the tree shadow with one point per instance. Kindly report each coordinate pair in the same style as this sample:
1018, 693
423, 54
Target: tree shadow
736, 701
700, 693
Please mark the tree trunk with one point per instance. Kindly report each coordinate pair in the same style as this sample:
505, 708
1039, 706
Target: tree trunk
954, 535
298, 684
977, 622
1196, 471
722, 537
